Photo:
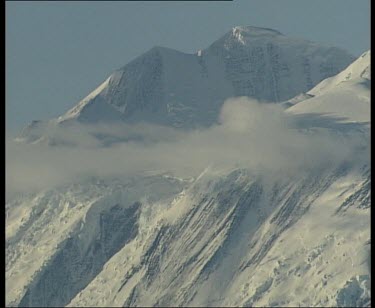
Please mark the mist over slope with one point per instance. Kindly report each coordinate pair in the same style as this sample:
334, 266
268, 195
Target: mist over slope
249, 204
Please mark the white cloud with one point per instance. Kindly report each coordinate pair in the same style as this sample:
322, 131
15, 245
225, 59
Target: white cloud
249, 134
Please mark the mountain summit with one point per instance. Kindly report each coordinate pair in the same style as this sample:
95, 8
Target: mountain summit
168, 87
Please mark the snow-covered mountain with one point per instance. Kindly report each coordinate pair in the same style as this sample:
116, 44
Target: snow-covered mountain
237, 236
172, 88
169, 87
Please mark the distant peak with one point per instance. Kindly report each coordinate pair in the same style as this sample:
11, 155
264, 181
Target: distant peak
246, 34
254, 31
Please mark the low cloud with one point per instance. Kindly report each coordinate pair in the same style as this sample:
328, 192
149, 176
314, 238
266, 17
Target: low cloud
253, 135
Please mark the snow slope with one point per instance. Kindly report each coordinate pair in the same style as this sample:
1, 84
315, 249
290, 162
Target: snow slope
42, 228
345, 96
359, 70
227, 239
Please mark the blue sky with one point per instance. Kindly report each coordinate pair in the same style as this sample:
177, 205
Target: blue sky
57, 52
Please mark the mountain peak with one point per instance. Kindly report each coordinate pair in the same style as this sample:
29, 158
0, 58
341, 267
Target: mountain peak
169, 87
254, 31
243, 34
